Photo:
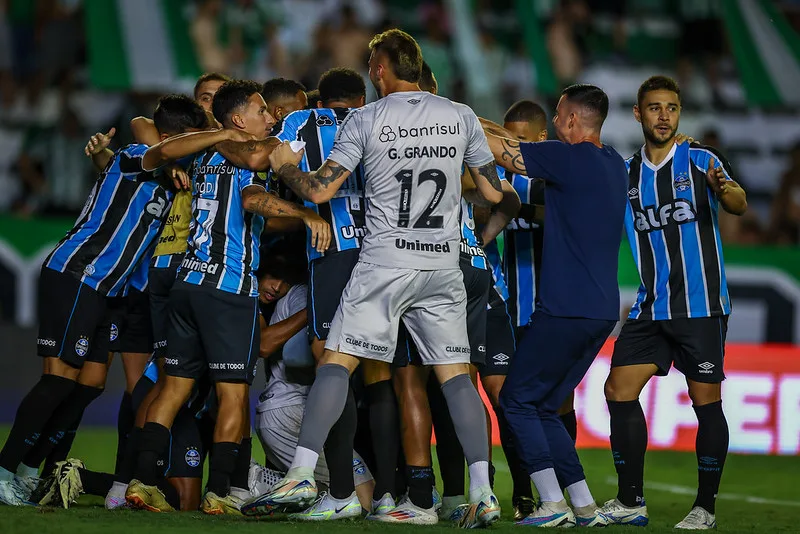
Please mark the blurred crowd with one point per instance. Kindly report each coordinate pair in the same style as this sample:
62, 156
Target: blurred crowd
48, 107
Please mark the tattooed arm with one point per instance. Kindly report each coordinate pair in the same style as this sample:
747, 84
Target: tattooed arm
256, 200
506, 153
318, 186
180, 146
486, 189
253, 155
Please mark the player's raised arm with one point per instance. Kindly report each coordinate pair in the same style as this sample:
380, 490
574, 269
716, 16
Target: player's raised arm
97, 148
275, 335
255, 199
478, 159
144, 131
180, 146
253, 155
730, 194
506, 209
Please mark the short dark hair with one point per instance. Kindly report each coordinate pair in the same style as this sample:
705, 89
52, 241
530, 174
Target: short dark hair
426, 80
590, 97
341, 83
230, 97
313, 98
280, 88
175, 114
209, 77
284, 260
525, 111
657, 83
403, 52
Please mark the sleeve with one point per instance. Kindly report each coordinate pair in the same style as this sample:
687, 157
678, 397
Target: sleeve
297, 298
291, 124
130, 160
546, 159
701, 155
350, 142
246, 178
478, 153
501, 173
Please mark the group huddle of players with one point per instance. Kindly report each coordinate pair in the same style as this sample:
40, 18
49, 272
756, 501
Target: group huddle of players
354, 247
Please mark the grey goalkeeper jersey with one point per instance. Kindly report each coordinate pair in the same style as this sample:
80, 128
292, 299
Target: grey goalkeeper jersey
413, 145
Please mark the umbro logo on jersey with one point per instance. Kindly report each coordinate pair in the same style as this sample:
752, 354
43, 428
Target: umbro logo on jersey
706, 368
678, 211
633, 194
414, 101
501, 359
324, 120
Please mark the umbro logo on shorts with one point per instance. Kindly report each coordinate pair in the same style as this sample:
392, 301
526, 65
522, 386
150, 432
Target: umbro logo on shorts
501, 359
706, 367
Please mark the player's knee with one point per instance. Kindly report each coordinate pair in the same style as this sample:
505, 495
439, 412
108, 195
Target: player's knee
702, 394
617, 391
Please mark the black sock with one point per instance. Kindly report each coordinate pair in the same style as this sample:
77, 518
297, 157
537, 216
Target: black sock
420, 485
151, 461
521, 481
385, 426
712, 448
448, 448
60, 432
492, 471
32, 416
628, 445
221, 466
125, 421
127, 466
170, 494
242, 467
95, 483
339, 450
571, 424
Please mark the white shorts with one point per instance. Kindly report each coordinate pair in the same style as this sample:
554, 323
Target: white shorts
278, 430
432, 305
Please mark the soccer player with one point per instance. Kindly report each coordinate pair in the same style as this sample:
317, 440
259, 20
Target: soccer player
92, 263
681, 311
207, 86
283, 96
412, 145
585, 185
215, 294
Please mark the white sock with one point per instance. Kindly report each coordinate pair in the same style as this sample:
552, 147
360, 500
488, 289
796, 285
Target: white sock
452, 501
304, 458
26, 471
478, 480
118, 488
240, 493
580, 495
6, 475
547, 485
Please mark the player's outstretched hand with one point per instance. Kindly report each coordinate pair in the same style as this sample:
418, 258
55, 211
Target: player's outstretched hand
320, 230
716, 178
180, 178
99, 142
682, 137
283, 154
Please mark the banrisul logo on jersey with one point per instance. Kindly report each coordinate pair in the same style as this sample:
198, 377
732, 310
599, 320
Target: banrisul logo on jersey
677, 211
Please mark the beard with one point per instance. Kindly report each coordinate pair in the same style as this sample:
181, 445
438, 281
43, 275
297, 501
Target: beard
653, 136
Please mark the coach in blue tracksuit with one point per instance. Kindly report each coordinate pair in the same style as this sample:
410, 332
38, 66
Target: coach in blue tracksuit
578, 300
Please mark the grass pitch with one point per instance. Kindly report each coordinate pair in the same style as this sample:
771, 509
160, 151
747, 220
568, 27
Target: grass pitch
759, 494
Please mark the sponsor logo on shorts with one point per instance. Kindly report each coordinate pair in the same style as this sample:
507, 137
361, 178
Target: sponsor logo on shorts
82, 346
358, 467
192, 457
366, 345
160, 344
482, 349
46, 342
706, 368
222, 366
422, 246
114, 332
458, 350
501, 359
170, 361
194, 264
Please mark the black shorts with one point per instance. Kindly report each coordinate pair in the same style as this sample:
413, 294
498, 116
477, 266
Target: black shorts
188, 449
159, 283
212, 331
131, 328
500, 342
695, 346
73, 320
328, 278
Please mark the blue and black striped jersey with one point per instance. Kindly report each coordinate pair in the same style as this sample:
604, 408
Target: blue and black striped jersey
120, 221
345, 211
223, 237
499, 292
522, 250
671, 223
471, 251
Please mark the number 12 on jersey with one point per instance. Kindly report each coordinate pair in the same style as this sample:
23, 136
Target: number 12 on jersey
426, 219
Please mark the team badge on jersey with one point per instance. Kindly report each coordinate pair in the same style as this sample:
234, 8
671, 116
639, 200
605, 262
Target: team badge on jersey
192, 457
82, 346
682, 182
88, 270
114, 332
